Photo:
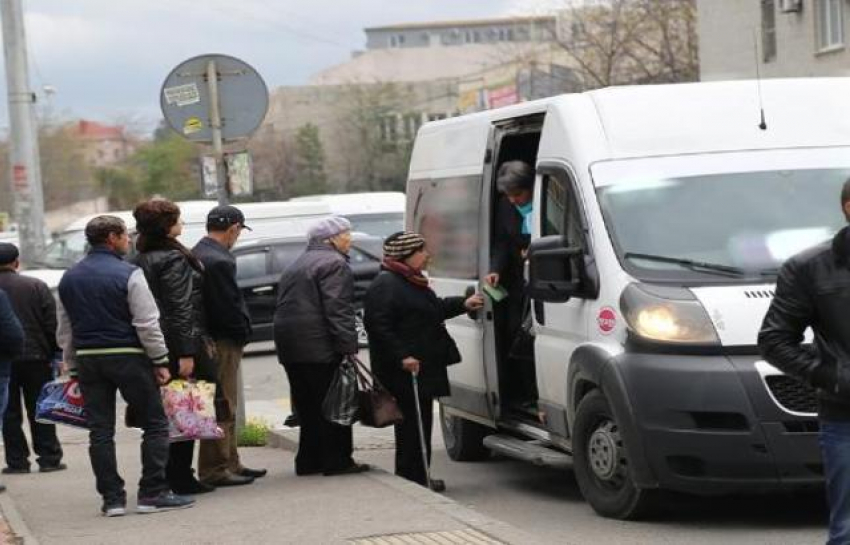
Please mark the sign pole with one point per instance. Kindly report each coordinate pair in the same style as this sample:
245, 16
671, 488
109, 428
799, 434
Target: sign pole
215, 125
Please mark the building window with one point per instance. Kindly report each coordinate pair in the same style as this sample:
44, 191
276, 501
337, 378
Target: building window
830, 23
768, 30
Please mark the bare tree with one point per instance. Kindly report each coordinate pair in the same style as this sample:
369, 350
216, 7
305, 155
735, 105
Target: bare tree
631, 41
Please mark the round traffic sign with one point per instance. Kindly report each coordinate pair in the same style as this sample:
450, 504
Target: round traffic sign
242, 96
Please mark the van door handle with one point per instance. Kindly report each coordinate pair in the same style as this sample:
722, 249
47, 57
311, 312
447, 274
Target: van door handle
262, 289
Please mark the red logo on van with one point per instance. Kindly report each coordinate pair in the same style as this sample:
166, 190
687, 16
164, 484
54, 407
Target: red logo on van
606, 320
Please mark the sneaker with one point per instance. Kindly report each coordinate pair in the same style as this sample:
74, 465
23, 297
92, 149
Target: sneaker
167, 501
113, 510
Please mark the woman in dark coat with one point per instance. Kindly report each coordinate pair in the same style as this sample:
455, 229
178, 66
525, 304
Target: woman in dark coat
314, 331
407, 335
175, 278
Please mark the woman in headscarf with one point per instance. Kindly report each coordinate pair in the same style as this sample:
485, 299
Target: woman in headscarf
407, 335
175, 277
314, 330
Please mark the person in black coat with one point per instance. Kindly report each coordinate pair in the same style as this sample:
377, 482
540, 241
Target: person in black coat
404, 320
175, 278
36, 310
314, 330
11, 345
511, 237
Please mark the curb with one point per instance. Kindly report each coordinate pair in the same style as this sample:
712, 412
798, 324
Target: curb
439, 502
15, 520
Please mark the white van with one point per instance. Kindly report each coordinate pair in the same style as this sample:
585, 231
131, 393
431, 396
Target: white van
661, 215
266, 219
376, 213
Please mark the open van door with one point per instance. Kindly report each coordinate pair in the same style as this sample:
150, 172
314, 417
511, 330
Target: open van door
448, 213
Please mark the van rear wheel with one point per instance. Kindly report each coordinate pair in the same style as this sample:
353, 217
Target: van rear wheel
601, 463
464, 439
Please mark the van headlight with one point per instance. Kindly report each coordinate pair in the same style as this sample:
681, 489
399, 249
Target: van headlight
667, 315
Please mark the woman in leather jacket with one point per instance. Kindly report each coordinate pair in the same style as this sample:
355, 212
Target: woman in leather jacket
175, 278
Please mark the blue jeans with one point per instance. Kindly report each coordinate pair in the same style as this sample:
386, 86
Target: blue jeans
835, 449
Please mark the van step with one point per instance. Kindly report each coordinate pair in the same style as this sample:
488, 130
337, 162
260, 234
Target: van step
527, 451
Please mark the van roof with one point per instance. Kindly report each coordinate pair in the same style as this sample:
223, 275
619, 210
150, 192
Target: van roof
373, 202
656, 120
195, 212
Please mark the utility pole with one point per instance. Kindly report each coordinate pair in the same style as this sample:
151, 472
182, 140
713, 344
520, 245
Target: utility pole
23, 134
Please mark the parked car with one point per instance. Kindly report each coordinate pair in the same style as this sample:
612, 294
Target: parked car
260, 264
265, 219
377, 213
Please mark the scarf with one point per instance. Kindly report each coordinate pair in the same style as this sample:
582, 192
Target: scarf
410, 274
525, 211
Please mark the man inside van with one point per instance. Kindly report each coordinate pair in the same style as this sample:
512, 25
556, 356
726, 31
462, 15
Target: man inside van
813, 290
511, 237
229, 324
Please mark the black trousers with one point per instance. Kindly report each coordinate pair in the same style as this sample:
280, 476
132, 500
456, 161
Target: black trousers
322, 446
408, 447
132, 375
26, 381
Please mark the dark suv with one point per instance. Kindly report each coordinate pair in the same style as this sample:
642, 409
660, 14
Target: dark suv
260, 264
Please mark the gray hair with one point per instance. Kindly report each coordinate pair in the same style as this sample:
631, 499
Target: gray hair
99, 229
515, 176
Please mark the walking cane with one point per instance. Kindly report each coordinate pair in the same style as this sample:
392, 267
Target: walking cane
422, 444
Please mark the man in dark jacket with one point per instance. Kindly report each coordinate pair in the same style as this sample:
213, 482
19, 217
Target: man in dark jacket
11, 345
36, 310
229, 325
314, 330
511, 237
110, 336
813, 290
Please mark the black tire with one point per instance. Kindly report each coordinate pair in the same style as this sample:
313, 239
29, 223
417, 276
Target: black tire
600, 462
464, 439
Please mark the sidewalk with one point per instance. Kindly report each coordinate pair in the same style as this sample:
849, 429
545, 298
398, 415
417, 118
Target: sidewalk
63, 508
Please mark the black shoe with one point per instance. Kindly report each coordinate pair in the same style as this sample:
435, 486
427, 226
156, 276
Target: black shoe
438, 485
113, 509
292, 421
192, 488
50, 469
16, 470
350, 470
2, 487
166, 501
305, 472
230, 480
253, 473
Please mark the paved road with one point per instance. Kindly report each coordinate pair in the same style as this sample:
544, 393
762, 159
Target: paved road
547, 502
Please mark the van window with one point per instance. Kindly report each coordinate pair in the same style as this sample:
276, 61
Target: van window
560, 210
285, 255
446, 213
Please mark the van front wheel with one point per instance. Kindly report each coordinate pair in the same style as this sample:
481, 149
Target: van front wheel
601, 462
464, 439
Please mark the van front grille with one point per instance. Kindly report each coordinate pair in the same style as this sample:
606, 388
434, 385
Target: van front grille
759, 294
793, 394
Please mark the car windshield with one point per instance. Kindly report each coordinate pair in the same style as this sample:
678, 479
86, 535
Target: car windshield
63, 251
379, 225
718, 218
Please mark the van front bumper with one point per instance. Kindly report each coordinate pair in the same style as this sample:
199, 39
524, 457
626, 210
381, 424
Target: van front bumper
708, 424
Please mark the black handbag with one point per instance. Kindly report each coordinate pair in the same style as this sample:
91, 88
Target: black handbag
378, 407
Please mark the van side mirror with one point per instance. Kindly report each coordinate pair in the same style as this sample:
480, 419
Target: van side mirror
553, 269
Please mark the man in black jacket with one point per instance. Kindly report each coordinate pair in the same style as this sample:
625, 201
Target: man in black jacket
36, 310
11, 344
229, 324
813, 291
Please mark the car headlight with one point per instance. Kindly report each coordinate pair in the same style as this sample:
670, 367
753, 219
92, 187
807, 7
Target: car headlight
667, 315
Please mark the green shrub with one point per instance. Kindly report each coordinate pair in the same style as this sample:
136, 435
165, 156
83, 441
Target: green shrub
254, 433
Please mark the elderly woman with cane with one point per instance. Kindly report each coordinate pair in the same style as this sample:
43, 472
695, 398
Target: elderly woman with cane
410, 347
314, 331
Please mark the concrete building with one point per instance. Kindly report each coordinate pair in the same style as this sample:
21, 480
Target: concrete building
413, 73
787, 38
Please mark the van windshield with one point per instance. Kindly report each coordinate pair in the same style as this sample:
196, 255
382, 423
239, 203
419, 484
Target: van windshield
709, 221
379, 225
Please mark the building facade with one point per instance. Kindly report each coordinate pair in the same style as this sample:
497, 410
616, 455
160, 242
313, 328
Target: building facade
460, 33
779, 38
